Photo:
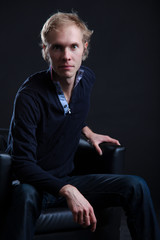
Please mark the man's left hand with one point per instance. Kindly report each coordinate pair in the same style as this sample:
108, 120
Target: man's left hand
96, 139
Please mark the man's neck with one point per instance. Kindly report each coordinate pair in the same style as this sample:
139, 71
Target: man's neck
67, 85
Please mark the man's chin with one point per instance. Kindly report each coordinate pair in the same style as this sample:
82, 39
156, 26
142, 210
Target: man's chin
67, 74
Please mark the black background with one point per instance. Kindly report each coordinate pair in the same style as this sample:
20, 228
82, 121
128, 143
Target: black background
124, 56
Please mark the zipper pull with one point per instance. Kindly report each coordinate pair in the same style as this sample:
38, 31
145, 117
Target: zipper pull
69, 110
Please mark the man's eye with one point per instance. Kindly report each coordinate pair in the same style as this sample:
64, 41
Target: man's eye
57, 47
74, 46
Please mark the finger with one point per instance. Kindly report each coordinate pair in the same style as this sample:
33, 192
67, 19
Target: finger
116, 142
86, 220
75, 217
93, 222
98, 149
112, 140
80, 218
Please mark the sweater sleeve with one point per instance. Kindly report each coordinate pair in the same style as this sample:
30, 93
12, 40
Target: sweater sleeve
90, 78
23, 144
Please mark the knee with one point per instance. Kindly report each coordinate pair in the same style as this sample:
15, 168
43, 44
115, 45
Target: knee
137, 185
27, 197
27, 192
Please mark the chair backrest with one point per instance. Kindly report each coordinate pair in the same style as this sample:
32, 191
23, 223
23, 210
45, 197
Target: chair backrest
3, 139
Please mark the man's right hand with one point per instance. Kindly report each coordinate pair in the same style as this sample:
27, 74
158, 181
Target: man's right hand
81, 209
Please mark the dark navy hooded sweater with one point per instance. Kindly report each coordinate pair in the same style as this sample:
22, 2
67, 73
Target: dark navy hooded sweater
42, 139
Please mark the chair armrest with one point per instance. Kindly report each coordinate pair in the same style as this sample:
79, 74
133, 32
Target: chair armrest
88, 161
5, 172
5, 183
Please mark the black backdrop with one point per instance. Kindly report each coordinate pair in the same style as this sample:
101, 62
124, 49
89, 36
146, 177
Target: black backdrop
125, 57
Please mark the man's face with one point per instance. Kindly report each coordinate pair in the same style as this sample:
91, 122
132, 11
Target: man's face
65, 50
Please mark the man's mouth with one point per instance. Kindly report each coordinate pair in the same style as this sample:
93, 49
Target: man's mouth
67, 67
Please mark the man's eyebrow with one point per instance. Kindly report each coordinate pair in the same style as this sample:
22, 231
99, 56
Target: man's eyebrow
61, 44
56, 44
75, 43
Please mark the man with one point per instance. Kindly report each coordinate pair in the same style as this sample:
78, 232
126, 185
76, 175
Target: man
49, 115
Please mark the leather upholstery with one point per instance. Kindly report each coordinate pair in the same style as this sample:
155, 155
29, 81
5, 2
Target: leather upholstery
112, 160
5, 186
57, 223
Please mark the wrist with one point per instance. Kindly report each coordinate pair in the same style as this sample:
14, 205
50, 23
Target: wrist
65, 190
88, 133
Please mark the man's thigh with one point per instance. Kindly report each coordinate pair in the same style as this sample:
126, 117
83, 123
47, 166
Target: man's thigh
105, 190
101, 190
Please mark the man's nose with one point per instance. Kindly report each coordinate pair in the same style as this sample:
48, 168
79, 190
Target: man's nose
66, 54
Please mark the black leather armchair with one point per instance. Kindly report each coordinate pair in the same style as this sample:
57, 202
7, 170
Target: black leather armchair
57, 223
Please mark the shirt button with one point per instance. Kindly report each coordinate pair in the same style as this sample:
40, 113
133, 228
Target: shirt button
65, 106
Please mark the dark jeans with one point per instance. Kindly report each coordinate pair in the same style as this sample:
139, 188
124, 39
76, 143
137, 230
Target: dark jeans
104, 190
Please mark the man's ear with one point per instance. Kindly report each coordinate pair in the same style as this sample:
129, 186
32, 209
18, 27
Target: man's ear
84, 51
85, 46
44, 47
45, 53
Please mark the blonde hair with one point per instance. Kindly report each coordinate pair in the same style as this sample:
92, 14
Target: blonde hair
59, 19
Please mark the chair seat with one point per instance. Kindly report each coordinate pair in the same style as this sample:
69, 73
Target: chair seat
54, 220
61, 220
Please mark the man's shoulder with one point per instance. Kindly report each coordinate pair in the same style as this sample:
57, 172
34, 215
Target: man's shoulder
88, 71
35, 82
38, 77
88, 75
33, 87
